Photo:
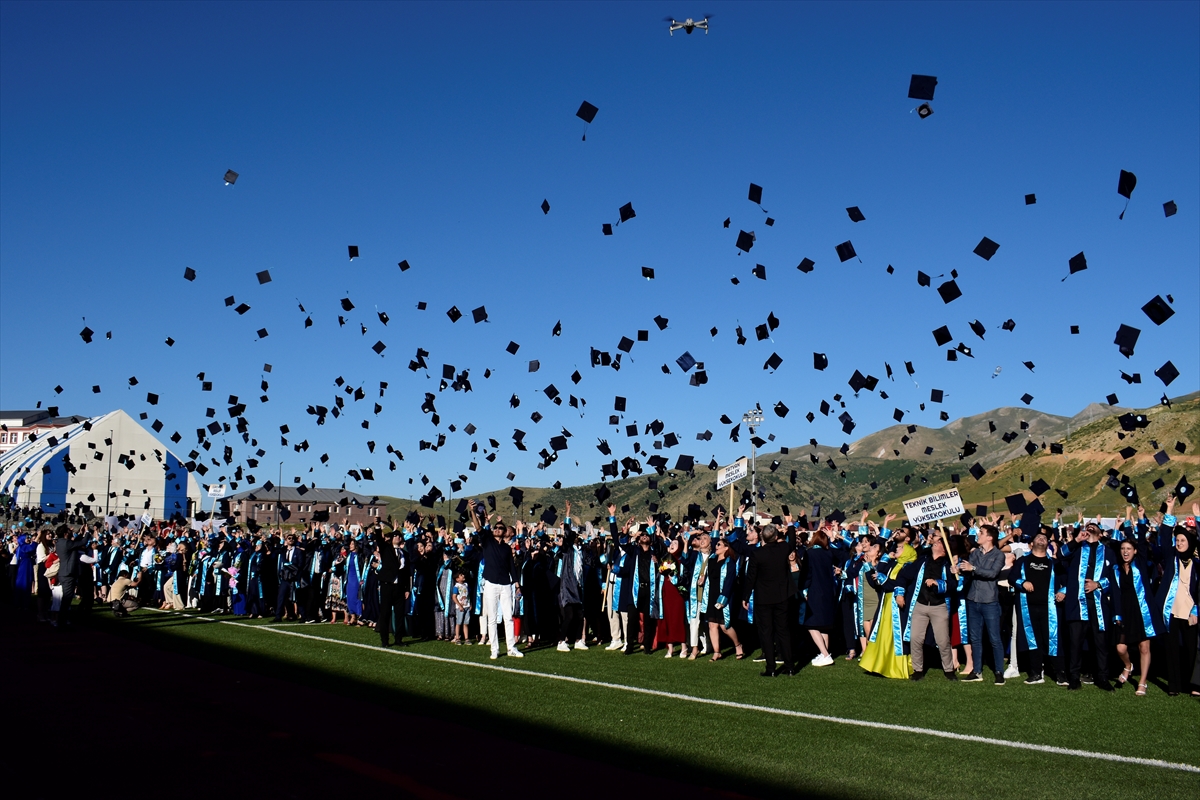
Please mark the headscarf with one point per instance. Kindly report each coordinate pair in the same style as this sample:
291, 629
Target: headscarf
906, 555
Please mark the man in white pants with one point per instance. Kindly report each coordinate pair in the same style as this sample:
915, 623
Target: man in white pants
499, 575
617, 620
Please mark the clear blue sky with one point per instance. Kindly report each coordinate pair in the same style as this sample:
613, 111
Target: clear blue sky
432, 133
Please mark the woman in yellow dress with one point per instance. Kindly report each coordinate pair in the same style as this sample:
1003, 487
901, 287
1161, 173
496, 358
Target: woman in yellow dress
887, 653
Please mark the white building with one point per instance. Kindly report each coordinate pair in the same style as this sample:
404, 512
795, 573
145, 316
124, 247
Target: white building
109, 464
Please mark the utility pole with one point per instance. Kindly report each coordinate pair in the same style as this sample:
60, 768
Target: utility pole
753, 418
108, 492
278, 493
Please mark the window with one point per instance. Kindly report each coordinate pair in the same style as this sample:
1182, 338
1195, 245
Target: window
3, 438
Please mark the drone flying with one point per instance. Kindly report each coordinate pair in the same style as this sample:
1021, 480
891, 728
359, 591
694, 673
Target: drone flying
687, 26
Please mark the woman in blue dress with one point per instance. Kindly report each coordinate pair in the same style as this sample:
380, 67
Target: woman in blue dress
352, 587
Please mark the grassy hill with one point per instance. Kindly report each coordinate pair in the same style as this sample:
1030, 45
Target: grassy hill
1091, 443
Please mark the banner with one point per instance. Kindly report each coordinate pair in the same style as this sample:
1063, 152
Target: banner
216, 490
731, 474
938, 505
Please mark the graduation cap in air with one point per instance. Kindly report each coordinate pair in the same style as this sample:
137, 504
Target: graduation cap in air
935, 395
806, 265
1077, 263
855, 214
949, 291
648, 273
1157, 310
820, 361
941, 336
773, 362
977, 471
744, 241
922, 278
353, 251
1074, 329
1126, 339
1030, 199
1170, 209
759, 272
606, 228
845, 251
626, 211
921, 87
924, 111
986, 249
189, 274
1183, 489
347, 305
479, 315
1166, 373
755, 194
587, 113
454, 314
685, 361
1125, 186
263, 277
230, 177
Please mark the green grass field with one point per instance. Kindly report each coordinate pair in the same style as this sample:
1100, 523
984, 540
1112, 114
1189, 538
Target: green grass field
744, 750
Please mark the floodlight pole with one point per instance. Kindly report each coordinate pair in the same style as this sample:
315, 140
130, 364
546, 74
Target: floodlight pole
753, 418
278, 494
108, 491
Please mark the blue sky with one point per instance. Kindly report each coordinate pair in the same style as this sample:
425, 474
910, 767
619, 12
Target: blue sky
432, 133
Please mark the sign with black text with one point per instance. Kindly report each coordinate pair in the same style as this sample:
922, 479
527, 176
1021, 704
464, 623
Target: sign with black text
931, 507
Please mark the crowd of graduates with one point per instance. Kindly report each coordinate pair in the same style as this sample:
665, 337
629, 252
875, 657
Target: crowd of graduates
1069, 603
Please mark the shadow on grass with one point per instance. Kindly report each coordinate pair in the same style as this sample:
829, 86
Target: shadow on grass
161, 631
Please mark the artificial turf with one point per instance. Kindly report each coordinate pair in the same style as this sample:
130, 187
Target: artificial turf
737, 749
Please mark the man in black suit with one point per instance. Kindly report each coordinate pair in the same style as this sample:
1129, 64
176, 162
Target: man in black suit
767, 578
68, 548
290, 569
392, 585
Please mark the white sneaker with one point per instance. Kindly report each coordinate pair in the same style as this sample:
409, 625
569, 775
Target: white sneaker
822, 661
494, 655
563, 647
515, 653
581, 645
616, 644
1012, 671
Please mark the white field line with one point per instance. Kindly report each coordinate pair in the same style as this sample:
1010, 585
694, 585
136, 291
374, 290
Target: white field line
783, 712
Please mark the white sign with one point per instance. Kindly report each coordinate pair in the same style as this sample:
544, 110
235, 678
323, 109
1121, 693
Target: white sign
216, 490
147, 519
938, 505
731, 474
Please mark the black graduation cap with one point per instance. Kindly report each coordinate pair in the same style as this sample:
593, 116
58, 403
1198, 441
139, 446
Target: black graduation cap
1158, 311
1111, 400
935, 395
353, 251
479, 315
761, 332
230, 177
1008, 326
685, 464
949, 291
1030, 199
189, 274
986, 249
755, 194
820, 361
890, 269
855, 214
1077, 263
685, 361
512, 348
977, 471
1126, 339
1027, 398
773, 362
1056, 448
626, 211
924, 111
1166, 373
1127, 453
941, 336
928, 451
1161, 458
759, 272
263, 277
978, 329
648, 273
262, 333
1183, 489
922, 278
845, 251
1074, 329
660, 321
379, 347
921, 87
806, 265
1170, 209
454, 314
744, 241
1125, 186
587, 112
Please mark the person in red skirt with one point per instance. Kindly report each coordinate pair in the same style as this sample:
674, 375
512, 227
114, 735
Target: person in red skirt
672, 628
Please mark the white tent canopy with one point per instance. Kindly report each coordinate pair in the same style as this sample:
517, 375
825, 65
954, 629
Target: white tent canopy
110, 464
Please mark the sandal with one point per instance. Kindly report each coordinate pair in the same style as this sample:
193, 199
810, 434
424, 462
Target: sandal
1125, 673
716, 657
851, 655
1141, 690
739, 655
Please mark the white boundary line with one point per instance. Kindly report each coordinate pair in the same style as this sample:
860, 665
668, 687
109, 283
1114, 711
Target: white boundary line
886, 726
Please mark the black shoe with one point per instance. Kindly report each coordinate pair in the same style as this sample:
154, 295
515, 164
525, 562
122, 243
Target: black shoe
384, 644
951, 675
629, 651
1104, 686
784, 671
917, 676
999, 680
767, 674
1073, 687
972, 677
